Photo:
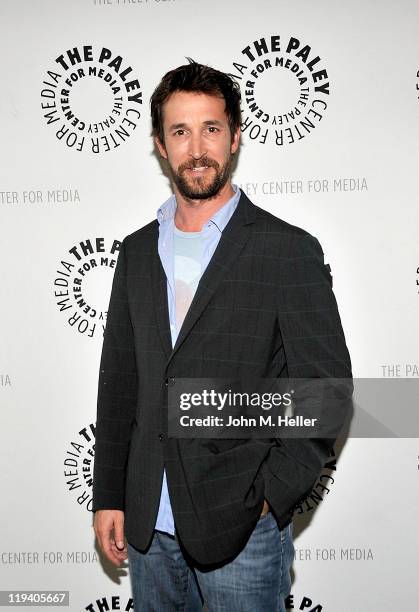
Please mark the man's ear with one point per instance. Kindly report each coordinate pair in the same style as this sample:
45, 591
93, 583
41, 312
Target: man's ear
160, 146
235, 141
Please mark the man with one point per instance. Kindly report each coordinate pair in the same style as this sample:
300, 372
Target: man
216, 287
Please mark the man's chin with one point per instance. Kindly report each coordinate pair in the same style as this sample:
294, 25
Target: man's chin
201, 191
198, 195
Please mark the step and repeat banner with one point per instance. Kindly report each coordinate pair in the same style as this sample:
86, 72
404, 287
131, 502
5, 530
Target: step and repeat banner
330, 101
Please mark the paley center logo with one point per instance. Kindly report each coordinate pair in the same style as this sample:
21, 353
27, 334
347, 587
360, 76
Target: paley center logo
78, 466
306, 603
83, 282
92, 99
320, 489
113, 602
285, 89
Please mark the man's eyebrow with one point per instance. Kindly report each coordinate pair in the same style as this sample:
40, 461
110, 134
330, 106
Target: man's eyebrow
213, 122
179, 126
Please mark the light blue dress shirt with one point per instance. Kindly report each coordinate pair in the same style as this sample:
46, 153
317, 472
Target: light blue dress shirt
211, 234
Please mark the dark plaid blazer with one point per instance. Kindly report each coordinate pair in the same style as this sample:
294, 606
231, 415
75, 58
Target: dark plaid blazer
264, 308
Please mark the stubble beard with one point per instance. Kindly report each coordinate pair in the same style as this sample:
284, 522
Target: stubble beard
201, 187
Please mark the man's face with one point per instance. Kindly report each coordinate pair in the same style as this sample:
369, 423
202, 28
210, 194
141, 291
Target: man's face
197, 143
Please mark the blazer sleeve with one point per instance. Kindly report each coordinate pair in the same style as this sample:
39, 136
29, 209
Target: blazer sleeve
117, 396
315, 347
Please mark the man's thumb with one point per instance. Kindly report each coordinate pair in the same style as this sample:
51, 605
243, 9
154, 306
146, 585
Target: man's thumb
119, 536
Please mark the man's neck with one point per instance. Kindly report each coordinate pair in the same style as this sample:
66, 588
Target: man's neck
191, 215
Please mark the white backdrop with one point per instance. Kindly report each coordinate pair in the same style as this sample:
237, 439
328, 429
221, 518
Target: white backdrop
349, 177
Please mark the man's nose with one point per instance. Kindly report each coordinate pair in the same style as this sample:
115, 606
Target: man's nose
197, 146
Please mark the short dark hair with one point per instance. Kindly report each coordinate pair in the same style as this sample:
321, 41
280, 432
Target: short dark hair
197, 78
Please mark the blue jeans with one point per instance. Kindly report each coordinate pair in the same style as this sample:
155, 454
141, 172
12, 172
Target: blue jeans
256, 580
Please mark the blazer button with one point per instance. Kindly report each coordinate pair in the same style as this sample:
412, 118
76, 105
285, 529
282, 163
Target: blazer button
161, 437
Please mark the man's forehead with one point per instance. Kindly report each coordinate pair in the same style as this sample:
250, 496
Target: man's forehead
193, 103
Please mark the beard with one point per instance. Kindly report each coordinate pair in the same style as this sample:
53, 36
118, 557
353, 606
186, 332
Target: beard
201, 187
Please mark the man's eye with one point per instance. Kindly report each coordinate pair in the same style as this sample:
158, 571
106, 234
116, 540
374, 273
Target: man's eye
212, 129
179, 132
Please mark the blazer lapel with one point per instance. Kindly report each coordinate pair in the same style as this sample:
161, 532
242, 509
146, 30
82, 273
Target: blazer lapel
232, 241
159, 292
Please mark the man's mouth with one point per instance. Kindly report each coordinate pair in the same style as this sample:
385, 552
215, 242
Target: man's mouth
199, 168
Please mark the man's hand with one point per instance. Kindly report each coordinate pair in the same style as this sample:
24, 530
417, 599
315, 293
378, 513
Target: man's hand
109, 530
265, 508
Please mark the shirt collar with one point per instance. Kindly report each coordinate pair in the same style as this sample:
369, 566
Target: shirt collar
166, 211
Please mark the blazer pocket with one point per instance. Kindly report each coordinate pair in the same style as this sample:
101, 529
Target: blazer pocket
217, 446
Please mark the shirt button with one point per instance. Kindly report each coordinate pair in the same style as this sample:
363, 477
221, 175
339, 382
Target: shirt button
169, 382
